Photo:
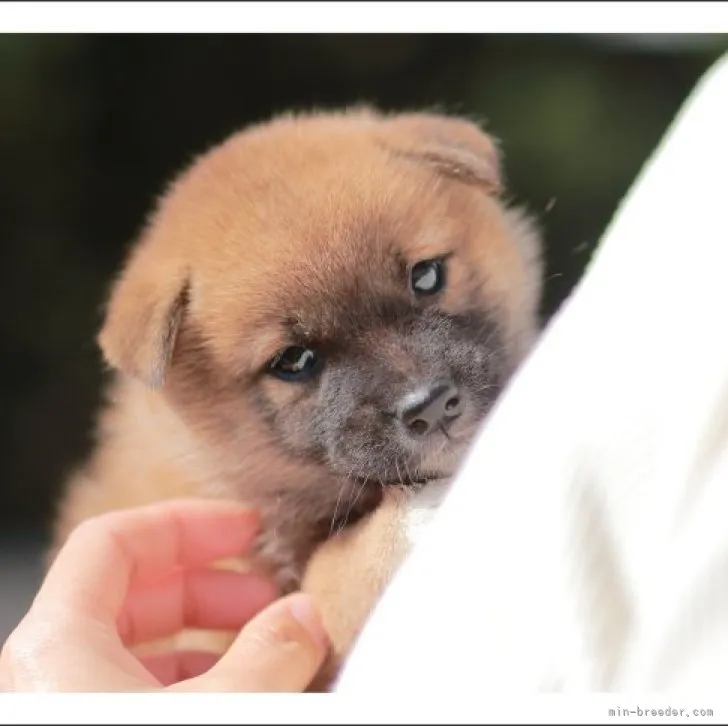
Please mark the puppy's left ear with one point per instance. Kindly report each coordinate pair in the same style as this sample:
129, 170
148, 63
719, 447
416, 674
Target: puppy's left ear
454, 146
143, 314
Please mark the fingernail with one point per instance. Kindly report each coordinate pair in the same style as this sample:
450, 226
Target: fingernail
305, 612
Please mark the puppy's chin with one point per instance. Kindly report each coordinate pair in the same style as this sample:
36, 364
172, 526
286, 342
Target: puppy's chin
436, 461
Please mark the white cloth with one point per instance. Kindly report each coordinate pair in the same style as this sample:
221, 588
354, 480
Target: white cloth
584, 545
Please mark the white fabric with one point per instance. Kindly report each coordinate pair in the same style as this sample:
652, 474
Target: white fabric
584, 546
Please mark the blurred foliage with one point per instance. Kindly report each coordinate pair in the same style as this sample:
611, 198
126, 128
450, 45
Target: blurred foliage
91, 127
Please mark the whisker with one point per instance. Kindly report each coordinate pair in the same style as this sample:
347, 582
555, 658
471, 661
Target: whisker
407, 470
399, 475
352, 504
358, 494
336, 508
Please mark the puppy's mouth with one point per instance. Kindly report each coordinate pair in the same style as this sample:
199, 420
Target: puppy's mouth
416, 480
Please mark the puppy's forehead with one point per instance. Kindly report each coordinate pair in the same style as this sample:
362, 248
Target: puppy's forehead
327, 273
343, 220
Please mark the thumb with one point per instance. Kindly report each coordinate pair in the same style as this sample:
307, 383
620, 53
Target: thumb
279, 651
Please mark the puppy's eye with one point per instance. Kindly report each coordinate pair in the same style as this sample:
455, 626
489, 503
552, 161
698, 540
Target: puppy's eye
295, 364
427, 277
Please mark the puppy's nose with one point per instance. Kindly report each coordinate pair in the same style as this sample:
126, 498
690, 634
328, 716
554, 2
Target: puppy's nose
428, 409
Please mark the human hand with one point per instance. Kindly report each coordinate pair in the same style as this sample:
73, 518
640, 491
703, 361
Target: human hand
137, 575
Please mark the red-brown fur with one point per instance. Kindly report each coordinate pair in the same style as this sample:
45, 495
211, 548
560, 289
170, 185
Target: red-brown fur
192, 317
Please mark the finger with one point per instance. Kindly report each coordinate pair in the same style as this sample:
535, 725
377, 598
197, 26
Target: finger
279, 651
209, 599
170, 668
92, 572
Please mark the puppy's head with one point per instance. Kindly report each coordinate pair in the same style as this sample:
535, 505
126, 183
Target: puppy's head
348, 287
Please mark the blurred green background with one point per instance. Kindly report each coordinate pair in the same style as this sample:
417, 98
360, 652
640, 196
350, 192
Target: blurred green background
91, 127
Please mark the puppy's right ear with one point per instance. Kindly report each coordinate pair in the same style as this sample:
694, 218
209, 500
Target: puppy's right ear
456, 147
143, 315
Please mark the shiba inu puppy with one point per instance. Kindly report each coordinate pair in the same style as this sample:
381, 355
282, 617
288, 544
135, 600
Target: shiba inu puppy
321, 308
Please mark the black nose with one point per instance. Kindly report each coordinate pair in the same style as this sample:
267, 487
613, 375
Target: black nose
429, 409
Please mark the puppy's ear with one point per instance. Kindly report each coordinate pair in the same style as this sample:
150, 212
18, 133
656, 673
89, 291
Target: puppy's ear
454, 146
143, 315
